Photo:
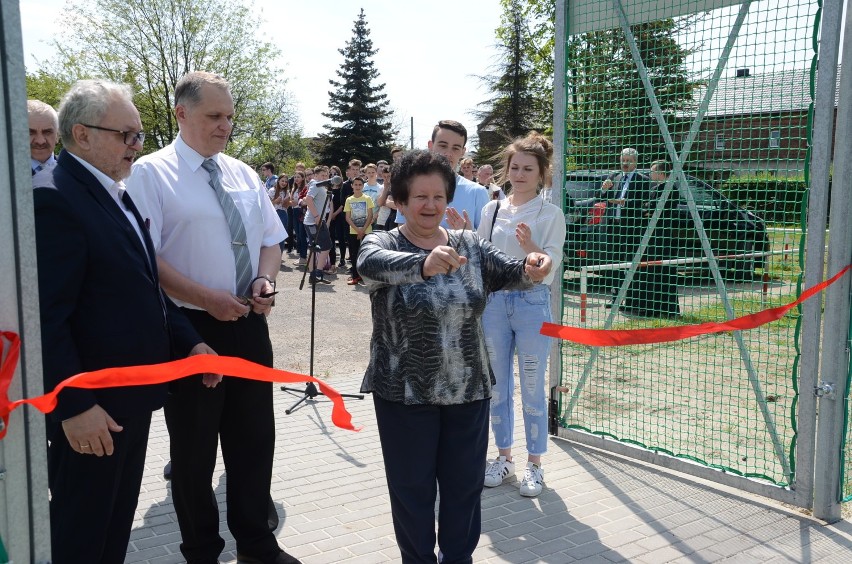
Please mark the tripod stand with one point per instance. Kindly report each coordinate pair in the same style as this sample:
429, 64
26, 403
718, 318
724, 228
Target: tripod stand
311, 391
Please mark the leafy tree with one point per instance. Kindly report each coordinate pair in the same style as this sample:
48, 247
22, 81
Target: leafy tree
517, 105
151, 44
358, 108
608, 108
46, 87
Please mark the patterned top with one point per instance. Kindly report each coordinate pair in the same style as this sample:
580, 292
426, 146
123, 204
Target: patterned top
428, 346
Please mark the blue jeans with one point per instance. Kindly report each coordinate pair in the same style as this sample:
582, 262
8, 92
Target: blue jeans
512, 321
282, 215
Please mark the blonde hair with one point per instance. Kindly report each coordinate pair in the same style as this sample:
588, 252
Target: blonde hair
534, 144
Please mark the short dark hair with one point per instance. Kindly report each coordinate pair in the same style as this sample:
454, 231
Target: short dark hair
268, 166
420, 163
452, 125
188, 88
661, 166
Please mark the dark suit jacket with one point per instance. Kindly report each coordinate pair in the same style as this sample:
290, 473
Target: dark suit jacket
638, 192
100, 300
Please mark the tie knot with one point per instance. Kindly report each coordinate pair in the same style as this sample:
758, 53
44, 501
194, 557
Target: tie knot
210, 165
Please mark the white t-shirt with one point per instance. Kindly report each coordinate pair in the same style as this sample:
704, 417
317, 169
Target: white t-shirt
546, 221
318, 193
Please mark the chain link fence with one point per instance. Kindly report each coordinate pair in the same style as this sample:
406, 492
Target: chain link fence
685, 188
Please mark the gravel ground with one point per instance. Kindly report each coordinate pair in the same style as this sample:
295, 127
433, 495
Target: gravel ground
342, 325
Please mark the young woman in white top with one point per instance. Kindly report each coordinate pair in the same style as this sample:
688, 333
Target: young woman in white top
521, 224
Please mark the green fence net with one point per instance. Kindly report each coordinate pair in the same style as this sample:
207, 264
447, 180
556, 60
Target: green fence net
686, 207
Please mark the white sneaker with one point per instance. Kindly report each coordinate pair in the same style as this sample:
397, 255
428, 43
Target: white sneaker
533, 480
498, 471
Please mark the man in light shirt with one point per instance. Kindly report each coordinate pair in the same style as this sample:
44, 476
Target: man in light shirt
190, 190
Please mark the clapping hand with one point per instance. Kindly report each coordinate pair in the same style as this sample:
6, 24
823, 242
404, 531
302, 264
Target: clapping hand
458, 221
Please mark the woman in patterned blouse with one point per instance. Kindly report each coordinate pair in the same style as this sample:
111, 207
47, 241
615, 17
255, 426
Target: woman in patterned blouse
429, 371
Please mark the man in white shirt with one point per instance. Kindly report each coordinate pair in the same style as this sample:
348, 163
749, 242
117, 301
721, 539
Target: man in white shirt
44, 134
485, 176
191, 193
449, 138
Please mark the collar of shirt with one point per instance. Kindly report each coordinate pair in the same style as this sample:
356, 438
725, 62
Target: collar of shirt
114, 188
192, 157
36, 163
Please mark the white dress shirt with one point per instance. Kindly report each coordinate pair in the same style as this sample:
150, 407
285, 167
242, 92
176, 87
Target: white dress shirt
187, 224
546, 222
116, 191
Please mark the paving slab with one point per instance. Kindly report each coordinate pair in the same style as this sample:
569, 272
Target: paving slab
331, 495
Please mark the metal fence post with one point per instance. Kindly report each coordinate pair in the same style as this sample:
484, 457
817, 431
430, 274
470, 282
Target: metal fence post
835, 360
24, 520
824, 104
559, 151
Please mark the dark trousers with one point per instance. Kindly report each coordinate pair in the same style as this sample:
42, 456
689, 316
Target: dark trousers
427, 444
93, 499
354, 247
282, 216
298, 229
239, 413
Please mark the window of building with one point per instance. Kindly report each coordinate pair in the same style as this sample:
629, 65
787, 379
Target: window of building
775, 139
720, 141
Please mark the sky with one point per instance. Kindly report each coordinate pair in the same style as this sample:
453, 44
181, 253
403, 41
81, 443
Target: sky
429, 53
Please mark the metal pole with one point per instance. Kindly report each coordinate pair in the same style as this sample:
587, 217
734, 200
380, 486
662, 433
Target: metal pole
822, 135
835, 356
412, 133
558, 183
24, 517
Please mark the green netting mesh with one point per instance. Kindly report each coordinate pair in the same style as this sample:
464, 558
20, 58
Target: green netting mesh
719, 234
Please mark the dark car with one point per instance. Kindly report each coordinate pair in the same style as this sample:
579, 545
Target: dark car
730, 229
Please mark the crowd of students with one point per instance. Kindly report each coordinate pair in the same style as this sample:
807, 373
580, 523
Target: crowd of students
357, 205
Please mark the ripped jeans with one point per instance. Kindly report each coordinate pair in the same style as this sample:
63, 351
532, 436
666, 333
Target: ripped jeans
511, 322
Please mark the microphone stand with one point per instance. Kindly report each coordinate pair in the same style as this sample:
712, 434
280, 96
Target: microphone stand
311, 391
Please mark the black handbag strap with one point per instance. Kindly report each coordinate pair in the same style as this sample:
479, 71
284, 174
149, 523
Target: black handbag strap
493, 221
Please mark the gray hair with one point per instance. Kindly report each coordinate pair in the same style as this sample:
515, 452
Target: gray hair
86, 102
487, 167
39, 108
630, 152
188, 88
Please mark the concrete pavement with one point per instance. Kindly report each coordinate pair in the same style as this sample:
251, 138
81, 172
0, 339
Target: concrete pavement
331, 495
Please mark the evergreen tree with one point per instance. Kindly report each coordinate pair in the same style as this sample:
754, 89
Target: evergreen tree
358, 111
517, 105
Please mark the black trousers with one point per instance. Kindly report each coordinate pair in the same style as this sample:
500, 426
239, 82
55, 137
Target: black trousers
354, 247
425, 445
93, 499
239, 413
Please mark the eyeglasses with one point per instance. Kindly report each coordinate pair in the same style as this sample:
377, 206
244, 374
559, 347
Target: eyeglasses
130, 137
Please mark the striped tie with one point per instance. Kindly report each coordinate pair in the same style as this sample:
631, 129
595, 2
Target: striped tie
242, 259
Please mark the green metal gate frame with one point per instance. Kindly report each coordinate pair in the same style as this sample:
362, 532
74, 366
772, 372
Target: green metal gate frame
801, 489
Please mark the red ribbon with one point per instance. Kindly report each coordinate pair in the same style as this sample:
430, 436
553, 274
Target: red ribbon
615, 338
157, 374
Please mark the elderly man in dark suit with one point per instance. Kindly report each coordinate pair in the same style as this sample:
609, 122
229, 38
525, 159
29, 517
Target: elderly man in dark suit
101, 306
625, 193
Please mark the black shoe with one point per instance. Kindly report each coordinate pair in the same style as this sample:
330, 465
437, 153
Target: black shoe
281, 558
167, 471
